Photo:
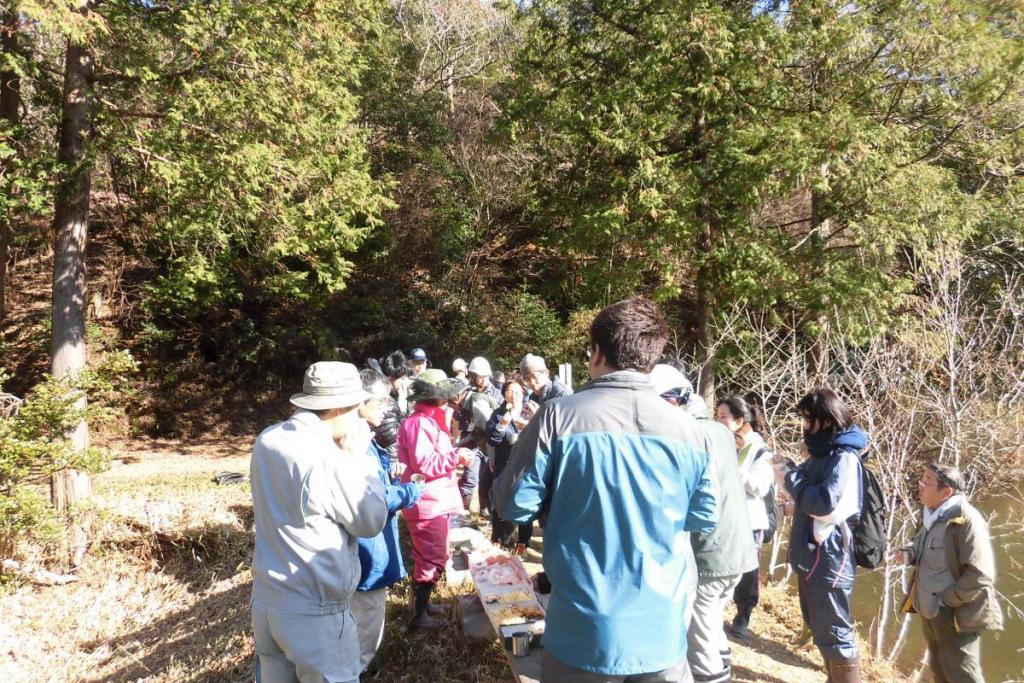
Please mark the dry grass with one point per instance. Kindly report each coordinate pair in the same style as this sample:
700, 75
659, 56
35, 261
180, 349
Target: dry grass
145, 608
164, 593
439, 656
771, 656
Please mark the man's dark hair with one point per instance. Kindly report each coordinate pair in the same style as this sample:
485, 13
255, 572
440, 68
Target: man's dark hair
372, 378
825, 406
631, 334
396, 365
386, 433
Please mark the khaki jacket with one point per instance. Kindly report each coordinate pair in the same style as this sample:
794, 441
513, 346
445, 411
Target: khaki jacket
954, 565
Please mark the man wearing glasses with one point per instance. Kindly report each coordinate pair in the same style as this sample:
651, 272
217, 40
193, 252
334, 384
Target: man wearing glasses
954, 576
622, 476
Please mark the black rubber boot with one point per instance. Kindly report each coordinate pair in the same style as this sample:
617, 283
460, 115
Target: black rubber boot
433, 609
421, 618
740, 622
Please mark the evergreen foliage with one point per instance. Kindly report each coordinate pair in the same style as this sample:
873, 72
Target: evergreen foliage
790, 161
254, 183
302, 180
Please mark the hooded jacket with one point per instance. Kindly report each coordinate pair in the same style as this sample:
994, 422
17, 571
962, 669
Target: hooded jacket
622, 476
380, 557
826, 491
425, 448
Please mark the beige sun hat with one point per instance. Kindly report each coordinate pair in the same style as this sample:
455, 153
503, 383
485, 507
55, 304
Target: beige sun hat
330, 384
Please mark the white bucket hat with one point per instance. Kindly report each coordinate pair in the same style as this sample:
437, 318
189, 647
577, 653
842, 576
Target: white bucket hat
665, 378
330, 384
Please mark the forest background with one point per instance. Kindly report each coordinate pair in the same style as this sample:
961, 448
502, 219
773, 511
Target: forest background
814, 191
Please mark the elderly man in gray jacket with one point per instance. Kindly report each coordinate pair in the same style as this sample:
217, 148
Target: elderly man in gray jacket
953, 587
313, 492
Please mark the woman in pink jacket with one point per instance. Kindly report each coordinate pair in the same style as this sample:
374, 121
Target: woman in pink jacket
425, 448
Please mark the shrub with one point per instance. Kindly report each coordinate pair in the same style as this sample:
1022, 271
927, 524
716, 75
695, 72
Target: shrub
34, 444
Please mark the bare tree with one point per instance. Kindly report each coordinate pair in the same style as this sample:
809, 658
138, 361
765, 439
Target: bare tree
457, 40
948, 382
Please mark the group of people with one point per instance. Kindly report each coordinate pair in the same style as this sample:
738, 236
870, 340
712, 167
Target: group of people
654, 512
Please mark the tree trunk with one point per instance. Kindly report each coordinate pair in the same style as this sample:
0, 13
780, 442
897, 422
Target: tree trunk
705, 345
819, 359
705, 355
70, 224
10, 105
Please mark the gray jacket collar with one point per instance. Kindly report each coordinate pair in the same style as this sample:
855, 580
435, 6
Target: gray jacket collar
620, 379
309, 419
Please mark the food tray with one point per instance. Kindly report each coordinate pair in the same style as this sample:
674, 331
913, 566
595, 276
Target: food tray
494, 571
515, 613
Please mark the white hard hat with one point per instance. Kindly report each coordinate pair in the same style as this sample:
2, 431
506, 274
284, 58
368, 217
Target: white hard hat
458, 365
480, 366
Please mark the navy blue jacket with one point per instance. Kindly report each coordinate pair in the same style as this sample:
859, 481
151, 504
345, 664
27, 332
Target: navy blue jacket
501, 439
820, 486
380, 557
555, 389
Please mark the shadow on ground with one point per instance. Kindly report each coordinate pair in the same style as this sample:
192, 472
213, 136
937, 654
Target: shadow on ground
778, 651
741, 673
202, 556
207, 641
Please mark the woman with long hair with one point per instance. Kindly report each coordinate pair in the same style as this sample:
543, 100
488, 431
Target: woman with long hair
827, 492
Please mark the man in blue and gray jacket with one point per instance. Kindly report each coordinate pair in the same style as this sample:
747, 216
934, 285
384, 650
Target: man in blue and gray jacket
622, 476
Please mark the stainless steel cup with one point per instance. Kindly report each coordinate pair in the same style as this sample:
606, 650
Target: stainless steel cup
521, 643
